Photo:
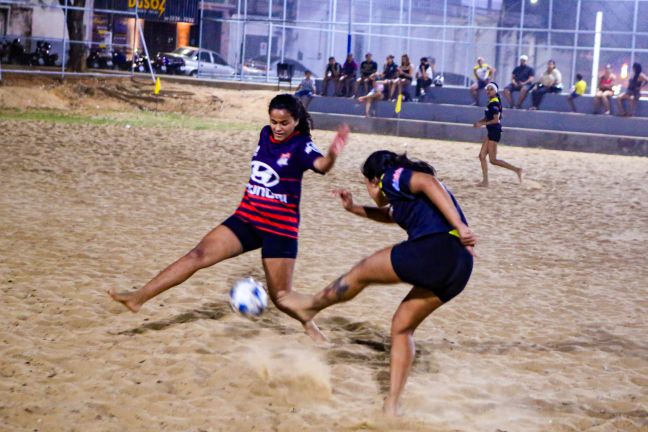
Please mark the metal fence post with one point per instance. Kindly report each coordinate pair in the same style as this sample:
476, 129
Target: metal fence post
63, 54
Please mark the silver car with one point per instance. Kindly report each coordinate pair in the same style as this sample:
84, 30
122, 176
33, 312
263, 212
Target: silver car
203, 62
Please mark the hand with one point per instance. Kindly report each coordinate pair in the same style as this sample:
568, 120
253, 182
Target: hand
340, 140
346, 198
466, 235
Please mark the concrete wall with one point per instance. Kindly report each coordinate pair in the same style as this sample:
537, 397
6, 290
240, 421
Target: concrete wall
512, 136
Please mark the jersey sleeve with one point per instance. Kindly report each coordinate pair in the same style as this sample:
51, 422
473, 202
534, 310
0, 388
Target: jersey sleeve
395, 184
308, 155
493, 109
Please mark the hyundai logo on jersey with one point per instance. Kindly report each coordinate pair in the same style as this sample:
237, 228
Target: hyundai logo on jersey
283, 159
264, 174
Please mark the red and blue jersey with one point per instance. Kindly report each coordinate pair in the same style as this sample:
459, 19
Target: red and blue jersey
271, 199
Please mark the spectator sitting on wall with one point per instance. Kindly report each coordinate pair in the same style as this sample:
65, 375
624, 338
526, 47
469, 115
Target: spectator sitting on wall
368, 69
521, 80
633, 91
578, 90
405, 75
483, 73
374, 95
306, 89
424, 75
605, 90
332, 73
347, 79
389, 75
550, 82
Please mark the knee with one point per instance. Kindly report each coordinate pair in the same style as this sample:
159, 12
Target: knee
482, 156
400, 326
197, 256
493, 160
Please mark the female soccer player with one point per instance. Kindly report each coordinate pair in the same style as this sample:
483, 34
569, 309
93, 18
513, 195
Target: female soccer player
268, 215
436, 259
493, 123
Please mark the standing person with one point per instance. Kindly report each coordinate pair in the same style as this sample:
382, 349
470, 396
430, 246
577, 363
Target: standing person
437, 258
389, 75
331, 73
424, 75
306, 89
405, 75
368, 70
493, 123
377, 93
633, 92
550, 82
268, 215
348, 77
483, 73
577, 91
521, 80
605, 91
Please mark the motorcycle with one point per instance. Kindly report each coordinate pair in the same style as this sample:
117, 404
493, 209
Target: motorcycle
42, 56
100, 59
139, 63
16, 52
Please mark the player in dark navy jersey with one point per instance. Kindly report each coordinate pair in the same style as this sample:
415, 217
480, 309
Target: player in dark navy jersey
268, 215
493, 122
437, 258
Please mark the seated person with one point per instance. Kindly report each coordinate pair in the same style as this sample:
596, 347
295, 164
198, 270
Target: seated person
605, 90
633, 91
424, 75
404, 79
347, 79
332, 73
521, 80
368, 70
483, 73
389, 75
550, 82
577, 91
306, 89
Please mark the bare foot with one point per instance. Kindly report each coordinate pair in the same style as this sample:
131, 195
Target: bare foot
391, 408
314, 332
125, 298
482, 184
519, 174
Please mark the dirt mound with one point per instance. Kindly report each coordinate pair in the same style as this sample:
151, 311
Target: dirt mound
90, 95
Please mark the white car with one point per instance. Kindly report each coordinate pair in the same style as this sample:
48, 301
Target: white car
195, 62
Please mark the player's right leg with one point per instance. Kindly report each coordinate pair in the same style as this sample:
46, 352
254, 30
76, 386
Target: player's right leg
220, 244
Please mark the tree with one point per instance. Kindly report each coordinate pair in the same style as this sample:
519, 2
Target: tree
76, 62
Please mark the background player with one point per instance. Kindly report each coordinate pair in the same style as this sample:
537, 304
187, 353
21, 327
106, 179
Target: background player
493, 123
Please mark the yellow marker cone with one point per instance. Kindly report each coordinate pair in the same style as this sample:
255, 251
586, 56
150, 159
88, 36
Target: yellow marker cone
399, 102
158, 86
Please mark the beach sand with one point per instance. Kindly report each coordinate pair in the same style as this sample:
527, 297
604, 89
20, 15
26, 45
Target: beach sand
549, 335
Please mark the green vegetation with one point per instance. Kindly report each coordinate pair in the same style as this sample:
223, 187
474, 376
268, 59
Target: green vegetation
153, 120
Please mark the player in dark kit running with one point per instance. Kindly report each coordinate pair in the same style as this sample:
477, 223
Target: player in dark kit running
268, 215
437, 258
493, 123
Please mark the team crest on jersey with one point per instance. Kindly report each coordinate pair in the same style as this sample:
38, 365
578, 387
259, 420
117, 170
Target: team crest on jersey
283, 159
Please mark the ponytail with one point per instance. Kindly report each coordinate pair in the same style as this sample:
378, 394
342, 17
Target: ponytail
296, 109
379, 162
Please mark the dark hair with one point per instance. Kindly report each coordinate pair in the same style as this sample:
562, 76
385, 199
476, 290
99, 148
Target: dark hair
380, 161
579, 77
636, 67
423, 59
294, 106
331, 58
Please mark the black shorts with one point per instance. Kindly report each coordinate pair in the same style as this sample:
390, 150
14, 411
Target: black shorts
494, 134
482, 83
251, 238
437, 262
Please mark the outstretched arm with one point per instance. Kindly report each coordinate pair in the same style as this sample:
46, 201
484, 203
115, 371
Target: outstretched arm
324, 164
378, 214
434, 190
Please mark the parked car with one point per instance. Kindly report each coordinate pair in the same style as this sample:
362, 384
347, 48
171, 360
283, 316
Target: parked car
193, 61
258, 65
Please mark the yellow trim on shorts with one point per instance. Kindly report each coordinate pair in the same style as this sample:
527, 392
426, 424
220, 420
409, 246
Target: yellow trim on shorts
454, 232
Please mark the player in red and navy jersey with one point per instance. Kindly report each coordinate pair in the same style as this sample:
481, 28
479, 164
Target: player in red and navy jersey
268, 215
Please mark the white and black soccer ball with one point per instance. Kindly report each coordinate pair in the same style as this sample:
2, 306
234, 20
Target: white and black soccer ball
248, 297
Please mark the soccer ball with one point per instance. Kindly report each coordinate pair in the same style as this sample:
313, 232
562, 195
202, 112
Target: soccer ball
248, 297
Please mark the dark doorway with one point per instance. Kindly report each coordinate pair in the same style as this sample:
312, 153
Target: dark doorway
160, 37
